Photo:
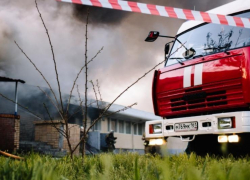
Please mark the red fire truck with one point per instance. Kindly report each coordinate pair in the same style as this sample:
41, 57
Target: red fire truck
203, 91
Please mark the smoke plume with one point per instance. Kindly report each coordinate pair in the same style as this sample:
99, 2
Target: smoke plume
125, 56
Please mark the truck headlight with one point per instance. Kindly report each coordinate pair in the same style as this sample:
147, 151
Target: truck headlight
233, 138
222, 139
230, 138
155, 128
226, 123
153, 142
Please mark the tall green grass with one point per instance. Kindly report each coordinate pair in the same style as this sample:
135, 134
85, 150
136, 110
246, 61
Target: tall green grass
126, 166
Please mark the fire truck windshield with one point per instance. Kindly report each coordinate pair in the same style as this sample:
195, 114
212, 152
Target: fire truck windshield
210, 39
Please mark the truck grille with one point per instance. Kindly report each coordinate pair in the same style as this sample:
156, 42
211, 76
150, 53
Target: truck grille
203, 98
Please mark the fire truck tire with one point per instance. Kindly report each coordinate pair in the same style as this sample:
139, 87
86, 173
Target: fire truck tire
208, 144
204, 144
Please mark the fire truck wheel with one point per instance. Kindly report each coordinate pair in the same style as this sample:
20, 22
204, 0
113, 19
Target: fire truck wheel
208, 144
204, 144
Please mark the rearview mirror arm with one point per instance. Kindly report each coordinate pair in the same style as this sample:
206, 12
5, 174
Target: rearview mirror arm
175, 39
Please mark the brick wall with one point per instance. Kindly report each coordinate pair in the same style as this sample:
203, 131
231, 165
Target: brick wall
74, 138
9, 132
45, 132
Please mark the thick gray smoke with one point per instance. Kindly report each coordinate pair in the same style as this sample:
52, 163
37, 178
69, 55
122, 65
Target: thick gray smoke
125, 57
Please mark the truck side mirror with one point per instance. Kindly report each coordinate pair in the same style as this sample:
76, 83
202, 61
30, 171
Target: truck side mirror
189, 53
152, 36
167, 47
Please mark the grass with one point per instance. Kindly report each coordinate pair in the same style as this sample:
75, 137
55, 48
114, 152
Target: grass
126, 166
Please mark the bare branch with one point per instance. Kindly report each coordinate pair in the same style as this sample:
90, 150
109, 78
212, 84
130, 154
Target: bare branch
123, 109
74, 126
106, 109
86, 86
71, 91
44, 105
79, 95
98, 87
52, 102
20, 105
38, 71
103, 115
53, 124
95, 121
52, 51
96, 98
110, 114
79, 109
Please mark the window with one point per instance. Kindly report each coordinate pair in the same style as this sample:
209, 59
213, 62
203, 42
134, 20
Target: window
128, 127
97, 126
135, 129
113, 125
211, 38
143, 128
140, 127
121, 127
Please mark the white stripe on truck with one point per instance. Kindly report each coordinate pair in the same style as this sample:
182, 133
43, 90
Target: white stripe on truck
198, 68
187, 76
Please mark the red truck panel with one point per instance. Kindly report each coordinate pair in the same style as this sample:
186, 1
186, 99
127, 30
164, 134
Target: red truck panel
218, 81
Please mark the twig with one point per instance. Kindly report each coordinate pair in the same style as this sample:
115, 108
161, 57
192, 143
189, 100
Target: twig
106, 109
71, 91
79, 109
53, 124
99, 92
44, 105
94, 122
123, 109
52, 51
97, 103
38, 71
103, 115
86, 88
51, 101
79, 95
74, 126
98, 87
20, 105
96, 98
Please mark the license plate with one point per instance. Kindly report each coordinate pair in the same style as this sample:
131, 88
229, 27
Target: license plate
189, 126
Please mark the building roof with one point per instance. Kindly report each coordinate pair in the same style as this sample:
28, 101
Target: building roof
130, 113
227, 9
6, 79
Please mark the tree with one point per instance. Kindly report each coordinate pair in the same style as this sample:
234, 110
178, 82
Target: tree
58, 104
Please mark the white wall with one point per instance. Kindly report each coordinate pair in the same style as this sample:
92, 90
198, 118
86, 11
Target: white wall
124, 141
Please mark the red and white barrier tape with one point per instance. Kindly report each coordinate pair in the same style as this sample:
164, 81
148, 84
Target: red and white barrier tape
165, 11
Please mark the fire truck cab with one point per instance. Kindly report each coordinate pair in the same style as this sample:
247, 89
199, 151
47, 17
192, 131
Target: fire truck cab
203, 91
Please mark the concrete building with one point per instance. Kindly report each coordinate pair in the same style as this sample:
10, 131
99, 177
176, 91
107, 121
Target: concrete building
128, 127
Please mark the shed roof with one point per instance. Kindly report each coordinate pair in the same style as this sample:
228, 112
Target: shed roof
6, 79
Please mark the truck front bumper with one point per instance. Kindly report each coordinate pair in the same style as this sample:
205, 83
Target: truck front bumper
206, 124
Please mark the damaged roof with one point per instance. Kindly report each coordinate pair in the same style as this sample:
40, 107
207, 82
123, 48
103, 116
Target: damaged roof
6, 79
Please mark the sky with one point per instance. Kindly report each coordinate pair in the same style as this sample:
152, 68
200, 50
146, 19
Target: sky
126, 56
